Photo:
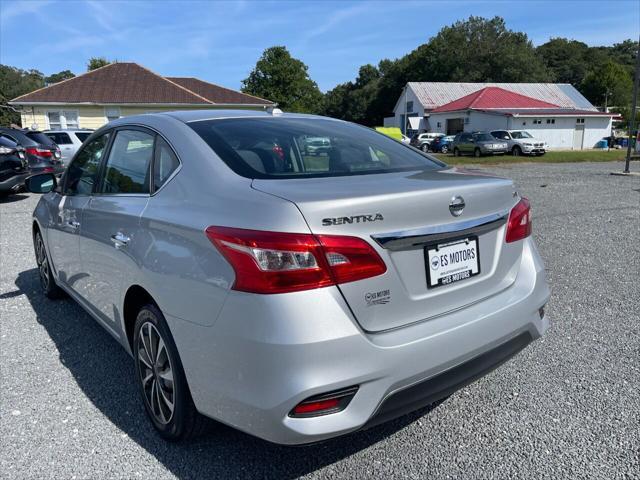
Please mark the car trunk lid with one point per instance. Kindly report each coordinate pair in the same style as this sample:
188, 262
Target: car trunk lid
399, 214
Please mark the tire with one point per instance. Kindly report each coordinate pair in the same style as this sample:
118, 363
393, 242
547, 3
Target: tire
152, 340
47, 282
444, 149
456, 152
477, 153
517, 151
424, 147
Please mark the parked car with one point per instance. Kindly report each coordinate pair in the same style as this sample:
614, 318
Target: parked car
317, 145
290, 303
477, 144
43, 154
423, 140
69, 141
441, 144
14, 167
521, 142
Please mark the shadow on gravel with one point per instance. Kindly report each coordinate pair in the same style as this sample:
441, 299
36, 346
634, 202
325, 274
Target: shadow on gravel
105, 373
12, 198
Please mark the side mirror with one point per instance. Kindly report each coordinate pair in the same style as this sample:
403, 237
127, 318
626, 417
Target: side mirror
42, 183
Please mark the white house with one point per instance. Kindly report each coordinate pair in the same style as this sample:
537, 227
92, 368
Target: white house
555, 113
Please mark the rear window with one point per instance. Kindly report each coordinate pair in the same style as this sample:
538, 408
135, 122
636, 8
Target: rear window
483, 137
60, 138
82, 136
307, 147
40, 138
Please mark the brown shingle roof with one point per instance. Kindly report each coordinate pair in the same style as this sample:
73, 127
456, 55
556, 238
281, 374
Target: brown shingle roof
129, 83
216, 93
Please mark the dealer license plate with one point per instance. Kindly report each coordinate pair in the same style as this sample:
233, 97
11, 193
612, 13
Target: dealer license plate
452, 262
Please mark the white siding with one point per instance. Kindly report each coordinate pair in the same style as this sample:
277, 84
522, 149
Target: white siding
560, 134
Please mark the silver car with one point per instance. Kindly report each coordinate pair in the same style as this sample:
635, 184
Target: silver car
293, 297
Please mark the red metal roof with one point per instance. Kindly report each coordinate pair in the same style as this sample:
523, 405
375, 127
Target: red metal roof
493, 98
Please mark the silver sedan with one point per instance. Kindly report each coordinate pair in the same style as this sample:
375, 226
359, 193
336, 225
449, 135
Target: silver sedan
295, 297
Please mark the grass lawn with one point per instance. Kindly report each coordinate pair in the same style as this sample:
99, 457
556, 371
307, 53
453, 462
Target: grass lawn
549, 157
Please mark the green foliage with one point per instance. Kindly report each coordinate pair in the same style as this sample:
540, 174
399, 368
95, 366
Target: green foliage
281, 78
609, 83
13, 83
568, 60
474, 50
58, 77
96, 62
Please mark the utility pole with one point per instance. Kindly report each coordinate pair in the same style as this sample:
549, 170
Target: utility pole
634, 106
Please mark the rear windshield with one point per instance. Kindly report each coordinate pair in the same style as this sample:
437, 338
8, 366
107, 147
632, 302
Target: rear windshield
82, 136
307, 147
39, 137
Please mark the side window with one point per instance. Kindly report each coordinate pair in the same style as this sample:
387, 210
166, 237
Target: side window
83, 171
128, 165
164, 164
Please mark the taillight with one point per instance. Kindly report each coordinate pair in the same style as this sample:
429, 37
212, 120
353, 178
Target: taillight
519, 225
39, 152
274, 262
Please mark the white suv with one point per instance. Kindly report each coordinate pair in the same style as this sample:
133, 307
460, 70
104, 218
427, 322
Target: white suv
69, 141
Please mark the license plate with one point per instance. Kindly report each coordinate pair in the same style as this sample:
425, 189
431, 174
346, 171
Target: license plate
452, 262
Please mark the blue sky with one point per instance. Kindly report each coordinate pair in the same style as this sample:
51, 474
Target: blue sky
220, 41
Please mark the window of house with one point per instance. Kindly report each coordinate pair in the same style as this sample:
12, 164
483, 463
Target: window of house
112, 113
439, 124
410, 106
127, 168
551, 121
537, 121
579, 120
62, 119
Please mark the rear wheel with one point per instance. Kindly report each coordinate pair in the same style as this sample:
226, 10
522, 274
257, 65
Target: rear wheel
161, 379
456, 152
477, 153
444, 149
47, 282
517, 151
425, 148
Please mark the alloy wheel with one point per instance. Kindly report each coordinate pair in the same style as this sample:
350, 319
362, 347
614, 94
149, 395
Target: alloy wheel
156, 373
43, 263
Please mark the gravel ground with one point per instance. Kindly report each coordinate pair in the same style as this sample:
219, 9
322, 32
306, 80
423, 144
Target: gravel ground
566, 407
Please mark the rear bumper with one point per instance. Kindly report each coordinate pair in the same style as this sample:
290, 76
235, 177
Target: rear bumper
13, 184
441, 386
267, 353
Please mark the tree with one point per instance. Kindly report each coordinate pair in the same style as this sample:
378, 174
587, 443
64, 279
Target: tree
96, 62
58, 77
13, 83
353, 101
567, 60
283, 79
607, 85
477, 50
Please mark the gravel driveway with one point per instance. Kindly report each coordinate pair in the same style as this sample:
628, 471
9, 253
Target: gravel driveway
566, 407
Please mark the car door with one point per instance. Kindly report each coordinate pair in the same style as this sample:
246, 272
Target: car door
66, 211
111, 221
465, 143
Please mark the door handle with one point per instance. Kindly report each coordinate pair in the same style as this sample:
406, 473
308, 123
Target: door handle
73, 224
120, 240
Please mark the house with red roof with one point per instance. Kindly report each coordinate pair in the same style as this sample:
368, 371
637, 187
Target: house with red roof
120, 89
555, 113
